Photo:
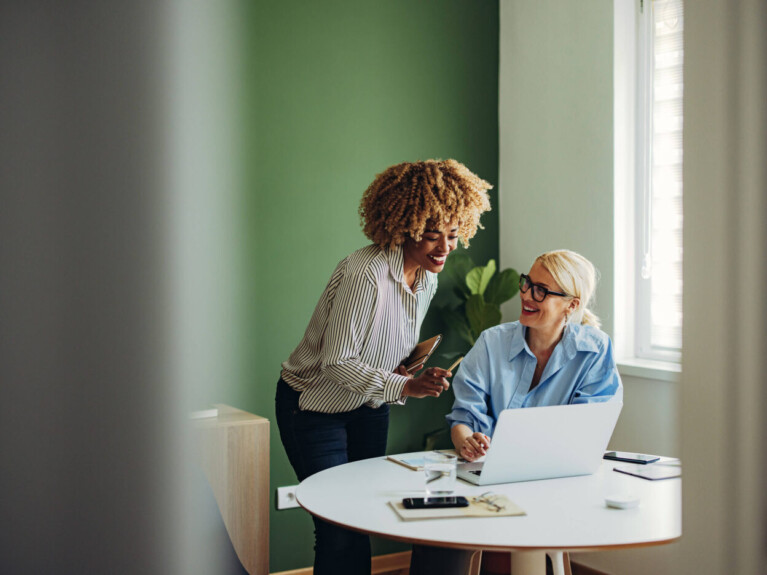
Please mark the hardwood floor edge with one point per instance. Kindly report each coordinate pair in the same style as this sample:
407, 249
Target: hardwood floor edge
379, 564
581, 569
399, 561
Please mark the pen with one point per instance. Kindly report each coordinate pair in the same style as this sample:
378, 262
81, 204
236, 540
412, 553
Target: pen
455, 364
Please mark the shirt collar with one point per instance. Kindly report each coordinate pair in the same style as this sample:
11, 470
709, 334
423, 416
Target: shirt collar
518, 343
580, 339
575, 339
396, 258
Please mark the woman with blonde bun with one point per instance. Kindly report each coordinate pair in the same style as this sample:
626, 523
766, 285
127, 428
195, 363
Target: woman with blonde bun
554, 355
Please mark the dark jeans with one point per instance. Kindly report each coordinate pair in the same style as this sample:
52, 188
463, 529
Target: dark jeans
427, 560
316, 441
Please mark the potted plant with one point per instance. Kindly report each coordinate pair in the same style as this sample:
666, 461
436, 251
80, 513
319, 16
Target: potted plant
472, 306
479, 293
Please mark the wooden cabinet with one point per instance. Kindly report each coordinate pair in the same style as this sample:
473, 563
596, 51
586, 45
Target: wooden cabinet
234, 454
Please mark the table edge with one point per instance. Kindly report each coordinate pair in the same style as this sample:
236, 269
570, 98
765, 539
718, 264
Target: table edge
451, 545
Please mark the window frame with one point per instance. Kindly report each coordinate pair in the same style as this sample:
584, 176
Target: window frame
633, 117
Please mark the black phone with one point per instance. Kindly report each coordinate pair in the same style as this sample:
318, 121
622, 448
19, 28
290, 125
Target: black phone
434, 502
640, 458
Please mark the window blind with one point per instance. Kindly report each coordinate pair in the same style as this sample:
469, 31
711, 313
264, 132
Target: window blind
665, 334
658, 320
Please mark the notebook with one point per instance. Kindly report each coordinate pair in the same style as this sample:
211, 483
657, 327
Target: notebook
653, 472
421, 353
544, 443
415, 460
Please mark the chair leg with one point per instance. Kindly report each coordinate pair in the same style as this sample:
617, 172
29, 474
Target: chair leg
476, 562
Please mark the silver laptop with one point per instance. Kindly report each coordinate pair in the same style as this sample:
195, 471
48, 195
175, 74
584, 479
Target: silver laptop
545, 442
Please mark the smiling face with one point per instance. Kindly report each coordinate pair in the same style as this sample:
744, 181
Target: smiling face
547, 315
432, 251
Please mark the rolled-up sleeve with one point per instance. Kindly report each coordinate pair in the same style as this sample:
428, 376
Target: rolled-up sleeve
602, 383
471, 388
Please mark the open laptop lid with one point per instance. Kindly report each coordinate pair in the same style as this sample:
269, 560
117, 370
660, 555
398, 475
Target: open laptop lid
547, 442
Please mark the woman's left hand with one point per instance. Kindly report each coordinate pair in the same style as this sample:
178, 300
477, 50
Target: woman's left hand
402, 371
430, 383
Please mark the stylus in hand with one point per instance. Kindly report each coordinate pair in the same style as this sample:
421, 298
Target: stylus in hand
455, 364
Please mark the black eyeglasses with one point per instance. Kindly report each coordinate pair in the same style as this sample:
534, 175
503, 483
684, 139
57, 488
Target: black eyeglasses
539, 292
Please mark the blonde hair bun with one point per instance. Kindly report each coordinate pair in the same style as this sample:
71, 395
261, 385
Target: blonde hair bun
577, 277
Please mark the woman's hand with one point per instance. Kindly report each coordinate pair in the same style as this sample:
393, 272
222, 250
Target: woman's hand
474, 446
401, 370
430, 383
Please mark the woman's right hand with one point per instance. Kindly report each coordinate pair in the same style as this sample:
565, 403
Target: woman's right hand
474, 446
430, 383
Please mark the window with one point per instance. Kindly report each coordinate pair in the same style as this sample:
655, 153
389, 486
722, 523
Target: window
648, 89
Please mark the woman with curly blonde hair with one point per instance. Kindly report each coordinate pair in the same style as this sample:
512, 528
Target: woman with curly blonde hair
334, 392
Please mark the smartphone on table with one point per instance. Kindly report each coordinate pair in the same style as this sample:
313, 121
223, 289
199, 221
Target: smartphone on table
640, 458
435, 502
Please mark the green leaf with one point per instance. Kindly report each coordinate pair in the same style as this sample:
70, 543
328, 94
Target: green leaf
461, 294
481, 314
458, 265
458, 323
502, 287
478, 278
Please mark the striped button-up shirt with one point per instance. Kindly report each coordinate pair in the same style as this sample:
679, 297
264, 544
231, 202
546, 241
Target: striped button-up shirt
366, 322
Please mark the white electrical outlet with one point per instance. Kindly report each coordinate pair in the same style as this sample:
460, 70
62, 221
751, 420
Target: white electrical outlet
286, 497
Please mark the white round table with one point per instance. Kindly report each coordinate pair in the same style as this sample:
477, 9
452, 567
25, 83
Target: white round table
567, 514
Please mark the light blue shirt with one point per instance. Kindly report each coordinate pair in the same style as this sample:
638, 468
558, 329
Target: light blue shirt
496, 374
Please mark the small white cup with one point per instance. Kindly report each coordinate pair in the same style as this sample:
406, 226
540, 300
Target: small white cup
439, 472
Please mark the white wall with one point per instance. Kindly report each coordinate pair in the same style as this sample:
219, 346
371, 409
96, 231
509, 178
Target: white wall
556, 191
556, 135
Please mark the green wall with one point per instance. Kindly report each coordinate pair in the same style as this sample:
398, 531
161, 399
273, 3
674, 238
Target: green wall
335, 92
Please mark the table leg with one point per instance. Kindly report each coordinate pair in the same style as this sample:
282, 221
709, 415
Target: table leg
528, 563
557, 562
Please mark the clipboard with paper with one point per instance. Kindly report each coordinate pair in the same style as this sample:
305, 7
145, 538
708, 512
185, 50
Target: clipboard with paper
485, 505
421, 353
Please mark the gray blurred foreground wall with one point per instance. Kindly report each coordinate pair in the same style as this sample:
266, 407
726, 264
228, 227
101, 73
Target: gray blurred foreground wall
93, 476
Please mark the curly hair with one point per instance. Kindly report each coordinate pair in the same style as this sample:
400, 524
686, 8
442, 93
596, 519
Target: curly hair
405, 197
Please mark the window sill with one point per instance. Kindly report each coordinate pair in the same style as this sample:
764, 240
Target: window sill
650, 369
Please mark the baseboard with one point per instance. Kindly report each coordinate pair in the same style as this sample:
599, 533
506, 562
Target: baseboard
379, 565
391, 562
581, 569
